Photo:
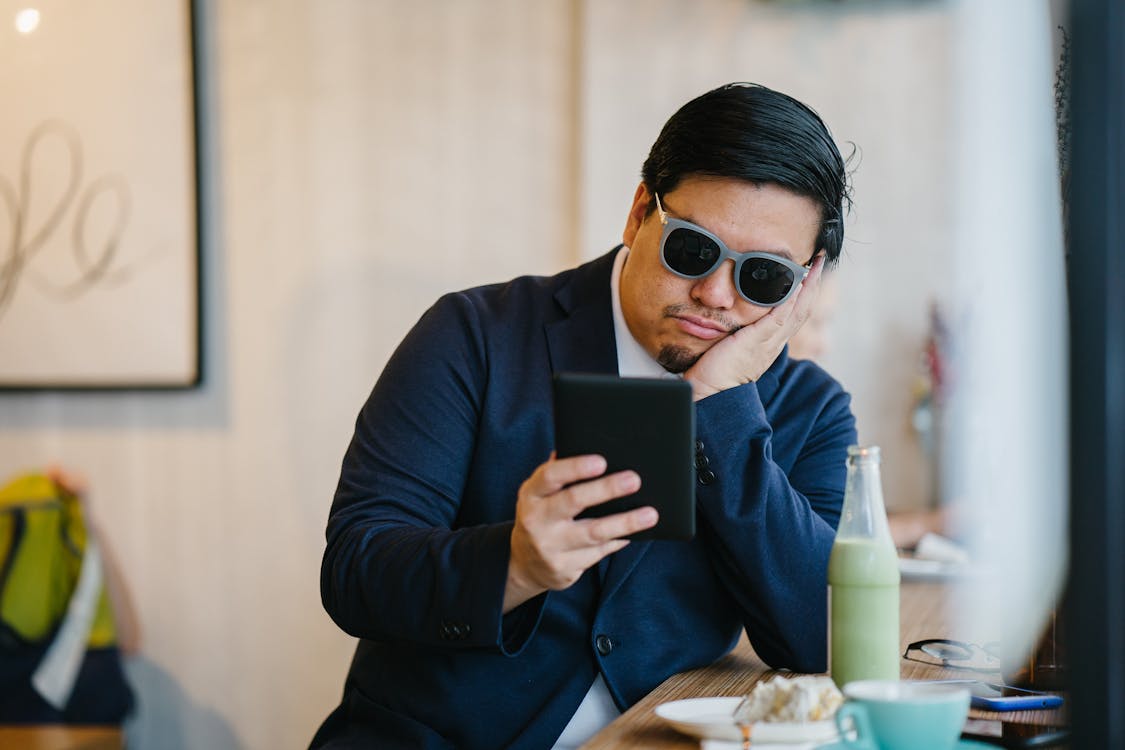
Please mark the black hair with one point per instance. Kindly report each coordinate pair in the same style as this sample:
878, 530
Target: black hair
749, 132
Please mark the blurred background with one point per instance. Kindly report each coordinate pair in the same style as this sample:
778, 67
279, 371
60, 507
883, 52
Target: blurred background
361, 157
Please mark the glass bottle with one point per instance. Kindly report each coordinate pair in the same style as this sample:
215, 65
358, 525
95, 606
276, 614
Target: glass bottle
1046, 668
863, 580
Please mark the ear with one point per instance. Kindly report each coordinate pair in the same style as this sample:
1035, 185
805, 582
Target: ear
641, 198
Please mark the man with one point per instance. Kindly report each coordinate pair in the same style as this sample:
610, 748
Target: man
488, 616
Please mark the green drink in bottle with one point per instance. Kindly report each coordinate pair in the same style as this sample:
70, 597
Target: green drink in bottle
863, 580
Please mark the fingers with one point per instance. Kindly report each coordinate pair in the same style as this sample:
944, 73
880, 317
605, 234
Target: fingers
810, 289
576, 545
599, 531
549, 548
577, 498
817, 269
574, 484
791, 315
557, 473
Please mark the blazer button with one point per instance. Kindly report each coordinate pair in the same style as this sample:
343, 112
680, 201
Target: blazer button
706, 477
604, 644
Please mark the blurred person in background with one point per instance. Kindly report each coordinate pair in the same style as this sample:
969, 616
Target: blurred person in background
812, 340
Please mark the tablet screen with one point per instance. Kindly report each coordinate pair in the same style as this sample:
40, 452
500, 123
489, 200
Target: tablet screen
643, 424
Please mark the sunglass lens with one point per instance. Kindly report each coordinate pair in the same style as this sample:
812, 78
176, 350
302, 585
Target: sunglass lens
690, 253
947, 651
765, 281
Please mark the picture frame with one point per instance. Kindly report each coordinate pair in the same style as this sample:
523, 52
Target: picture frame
100, 261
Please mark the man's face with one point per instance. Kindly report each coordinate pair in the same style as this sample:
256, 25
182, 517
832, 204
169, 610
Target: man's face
677, 320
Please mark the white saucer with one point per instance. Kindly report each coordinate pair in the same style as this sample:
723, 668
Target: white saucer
713, 719
961, 745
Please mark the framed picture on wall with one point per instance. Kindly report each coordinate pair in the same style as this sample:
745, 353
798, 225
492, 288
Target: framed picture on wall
99, 230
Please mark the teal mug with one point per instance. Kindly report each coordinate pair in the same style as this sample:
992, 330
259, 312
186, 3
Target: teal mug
902, 715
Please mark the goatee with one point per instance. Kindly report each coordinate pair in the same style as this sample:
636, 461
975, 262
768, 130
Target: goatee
677, 359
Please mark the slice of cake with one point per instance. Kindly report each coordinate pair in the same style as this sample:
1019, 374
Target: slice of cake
791, 699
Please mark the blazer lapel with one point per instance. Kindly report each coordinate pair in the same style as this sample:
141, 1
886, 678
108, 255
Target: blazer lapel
583, 341
614, 569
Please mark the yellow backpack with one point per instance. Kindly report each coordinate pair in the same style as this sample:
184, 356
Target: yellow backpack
43, 539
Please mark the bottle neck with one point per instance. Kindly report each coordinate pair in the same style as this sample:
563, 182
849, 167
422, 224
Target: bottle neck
864, 515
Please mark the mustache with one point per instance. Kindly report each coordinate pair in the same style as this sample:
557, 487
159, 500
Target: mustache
682, 308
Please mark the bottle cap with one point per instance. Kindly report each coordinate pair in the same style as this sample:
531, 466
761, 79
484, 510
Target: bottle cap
863, 451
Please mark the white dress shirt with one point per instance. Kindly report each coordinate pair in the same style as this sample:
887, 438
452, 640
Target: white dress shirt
597, 708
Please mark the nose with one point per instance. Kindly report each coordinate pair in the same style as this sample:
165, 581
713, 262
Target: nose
716, 290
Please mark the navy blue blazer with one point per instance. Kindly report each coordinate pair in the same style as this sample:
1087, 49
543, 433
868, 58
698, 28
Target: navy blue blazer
418, 535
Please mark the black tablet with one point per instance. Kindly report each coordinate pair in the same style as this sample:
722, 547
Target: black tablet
643, 424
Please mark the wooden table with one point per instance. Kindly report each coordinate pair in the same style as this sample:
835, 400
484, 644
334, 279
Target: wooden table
925, 614
60, 737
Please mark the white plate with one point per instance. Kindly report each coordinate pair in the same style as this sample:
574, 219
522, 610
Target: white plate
713, 719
